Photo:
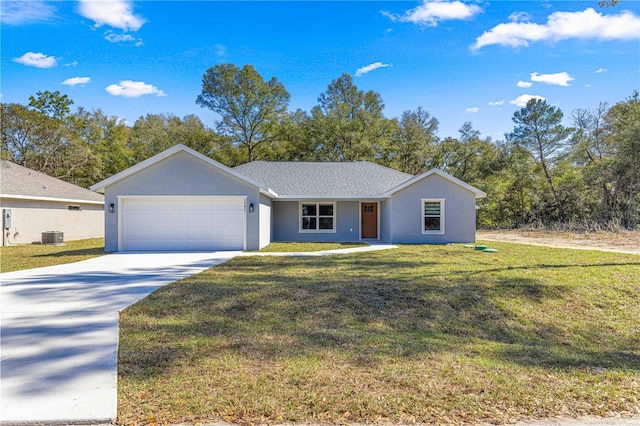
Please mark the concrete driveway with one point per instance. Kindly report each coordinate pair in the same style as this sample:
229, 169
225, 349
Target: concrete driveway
59, 332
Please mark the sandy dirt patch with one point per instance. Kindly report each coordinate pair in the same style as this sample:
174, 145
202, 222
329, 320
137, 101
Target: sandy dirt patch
619, 242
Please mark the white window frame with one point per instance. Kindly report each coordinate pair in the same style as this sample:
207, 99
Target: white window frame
317, 216
422, 216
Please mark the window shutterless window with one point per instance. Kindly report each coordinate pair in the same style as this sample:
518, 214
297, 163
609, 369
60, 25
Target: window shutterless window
433, 216
317, 217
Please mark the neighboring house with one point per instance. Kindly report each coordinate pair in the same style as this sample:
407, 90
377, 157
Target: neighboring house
183, 200
37, 203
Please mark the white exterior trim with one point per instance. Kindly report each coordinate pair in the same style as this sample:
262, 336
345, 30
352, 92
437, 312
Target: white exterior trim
100, 186
479, 193
124, 198
360, 218
58, 200
432, 200
318, 231
332, 197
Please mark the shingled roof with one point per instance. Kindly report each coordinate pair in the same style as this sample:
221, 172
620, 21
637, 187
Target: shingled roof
348, 179
21, 182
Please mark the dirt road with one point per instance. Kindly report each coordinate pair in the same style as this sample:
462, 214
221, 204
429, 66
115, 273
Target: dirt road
619, 242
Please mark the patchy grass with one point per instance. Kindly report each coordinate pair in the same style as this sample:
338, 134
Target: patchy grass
623, 240
290, 247
15, 258
432, 334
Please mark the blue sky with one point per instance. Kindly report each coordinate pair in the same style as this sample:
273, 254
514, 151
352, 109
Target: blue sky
475, 61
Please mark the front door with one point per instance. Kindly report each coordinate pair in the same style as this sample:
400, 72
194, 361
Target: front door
369, 215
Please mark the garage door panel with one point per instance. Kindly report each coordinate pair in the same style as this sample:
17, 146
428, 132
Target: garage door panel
183, 223
236, 232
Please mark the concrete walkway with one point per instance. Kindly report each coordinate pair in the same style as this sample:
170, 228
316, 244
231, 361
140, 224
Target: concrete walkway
59, 329
59, 332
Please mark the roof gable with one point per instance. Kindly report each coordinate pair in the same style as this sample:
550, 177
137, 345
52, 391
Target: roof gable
296, 180
20, 182
438, 172
347, 179
101, 186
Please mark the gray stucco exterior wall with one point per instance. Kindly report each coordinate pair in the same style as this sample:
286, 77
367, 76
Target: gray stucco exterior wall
265, 220
406, 219
385, 221
183, 174
286, 222
30, 218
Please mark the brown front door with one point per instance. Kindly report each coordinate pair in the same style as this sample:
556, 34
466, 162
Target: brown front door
369, 213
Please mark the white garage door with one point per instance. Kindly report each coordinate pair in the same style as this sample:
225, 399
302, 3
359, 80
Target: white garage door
182, 223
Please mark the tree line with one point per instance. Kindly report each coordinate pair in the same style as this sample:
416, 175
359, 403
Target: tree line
542, 173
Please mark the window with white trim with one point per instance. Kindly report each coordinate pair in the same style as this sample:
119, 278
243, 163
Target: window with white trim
432, 216
317, 217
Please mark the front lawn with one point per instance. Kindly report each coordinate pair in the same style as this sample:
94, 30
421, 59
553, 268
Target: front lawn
433, 334
290, 247
26, 256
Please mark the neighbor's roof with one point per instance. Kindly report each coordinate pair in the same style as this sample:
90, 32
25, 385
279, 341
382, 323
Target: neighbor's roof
348, 179
20, 182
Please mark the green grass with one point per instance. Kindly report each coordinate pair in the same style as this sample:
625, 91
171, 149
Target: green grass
15, 258
289, 247
432, 334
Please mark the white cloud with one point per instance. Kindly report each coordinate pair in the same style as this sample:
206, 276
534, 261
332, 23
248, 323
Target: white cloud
77, 81
122, 38
431, 12
71, 64
523, 99
133, 89
38, 60
588, 86
520, 17
497, 103
114, 13
26, 12
557, 79
221, 50
585, 25
524, 84
601, 70
473, 110
368, 68
118, 38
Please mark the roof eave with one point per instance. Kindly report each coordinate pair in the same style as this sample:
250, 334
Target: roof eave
479, 193
59, 200
100, 187
268, 192
330, 197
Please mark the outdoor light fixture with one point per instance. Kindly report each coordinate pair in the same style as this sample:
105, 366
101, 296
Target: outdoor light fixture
112, 208
251, 208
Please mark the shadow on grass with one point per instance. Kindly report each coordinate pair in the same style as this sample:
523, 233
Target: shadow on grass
96, 251
368, 309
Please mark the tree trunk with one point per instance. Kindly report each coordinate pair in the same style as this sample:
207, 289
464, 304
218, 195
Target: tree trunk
553, 188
